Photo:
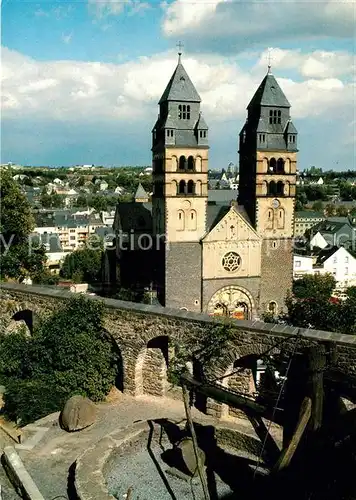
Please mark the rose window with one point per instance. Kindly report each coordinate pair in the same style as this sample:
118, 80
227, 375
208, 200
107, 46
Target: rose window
231, 261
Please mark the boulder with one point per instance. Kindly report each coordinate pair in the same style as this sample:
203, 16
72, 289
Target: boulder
188, 455
78, 413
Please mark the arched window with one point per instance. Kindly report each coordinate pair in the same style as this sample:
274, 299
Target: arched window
280, 166
279, 116
272, 307
180, 220
181, 187
190, 187
192, 220
280, 188
264, 187
188, 112
275, 116
198, 188
272, 188
280, 219
174, 187
198, 163
174, 162
287, 166
182, 162
272, 165
190, 163
270, 217
286, 189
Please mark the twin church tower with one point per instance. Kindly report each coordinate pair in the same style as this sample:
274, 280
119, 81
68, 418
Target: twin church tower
231, 257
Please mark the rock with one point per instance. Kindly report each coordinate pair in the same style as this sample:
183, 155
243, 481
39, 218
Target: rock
188, 455
78, 413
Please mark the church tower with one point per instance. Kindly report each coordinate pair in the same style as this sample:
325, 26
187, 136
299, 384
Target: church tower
180, 191
268, 162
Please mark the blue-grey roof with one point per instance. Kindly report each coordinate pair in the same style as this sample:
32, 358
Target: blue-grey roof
201, 123
269, 93
180, 87
134, 216
222, 195
290, 128
50, 240
141, 193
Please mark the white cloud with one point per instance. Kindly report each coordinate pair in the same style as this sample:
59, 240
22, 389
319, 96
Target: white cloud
229, 26
104, 8
76, 91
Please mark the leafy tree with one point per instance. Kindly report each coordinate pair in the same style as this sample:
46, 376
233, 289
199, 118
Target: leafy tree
69, 353
330, 210
99, 203
81, 201
83, 265
18, 260
316, 286
318, 206
341, 211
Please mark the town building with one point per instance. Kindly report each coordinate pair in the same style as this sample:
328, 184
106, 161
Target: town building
233, 258
305, 220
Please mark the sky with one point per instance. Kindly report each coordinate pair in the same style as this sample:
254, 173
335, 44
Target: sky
81, 80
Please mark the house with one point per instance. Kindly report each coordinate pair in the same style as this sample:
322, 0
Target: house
54, 251
103, 185
108, 218
119, 190
305, 220
334, 231
338, 262
302, 265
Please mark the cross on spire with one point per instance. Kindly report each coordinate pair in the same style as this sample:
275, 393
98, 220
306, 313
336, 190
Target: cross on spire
180, 46
269, 59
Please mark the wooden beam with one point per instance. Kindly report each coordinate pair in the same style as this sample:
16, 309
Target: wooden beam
316, 357
222, 395
262, 432
201, 472
287, 454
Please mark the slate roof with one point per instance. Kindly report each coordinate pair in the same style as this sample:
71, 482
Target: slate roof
51, 241
305, 214
324, 255
141, 192
290, 128
134, 216
269, 93
180, 87
215, 212
201, 123
224, 196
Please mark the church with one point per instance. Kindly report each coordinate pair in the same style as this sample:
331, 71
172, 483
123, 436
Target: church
222, 258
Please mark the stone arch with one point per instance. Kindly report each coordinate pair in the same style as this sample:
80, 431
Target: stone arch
198, 188
265, 165
151, 367
264, 187
269, 219
27, 316
180, 220
280, 218
286, 188
233, 299
190, 164
280, 166
198, 164
182, 162
272, 188
174, 163
175, 187
182, 187
280, 188
272, 165
190, 187
192, 220
241, 382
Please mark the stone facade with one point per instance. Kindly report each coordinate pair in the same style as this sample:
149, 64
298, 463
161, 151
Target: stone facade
144, 336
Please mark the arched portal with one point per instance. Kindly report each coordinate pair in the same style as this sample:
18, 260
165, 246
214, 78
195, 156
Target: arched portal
233, 301
151, 368
240, 381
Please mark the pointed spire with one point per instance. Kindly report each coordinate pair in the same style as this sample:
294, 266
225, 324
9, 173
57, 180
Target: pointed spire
180, 86
269, 62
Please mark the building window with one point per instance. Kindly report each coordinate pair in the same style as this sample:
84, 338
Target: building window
184, 112
346, 271
169, 133
204, 134
190, 187
279, 116
298, 263
190, 163
271, 116
231, 262
346, 259
181, 187
182, 162
188, 112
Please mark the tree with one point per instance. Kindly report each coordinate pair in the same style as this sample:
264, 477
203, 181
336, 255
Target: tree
317, 286
18, 259
318, 206
330, 210
69, 353
99, 203
83, 265
341, 211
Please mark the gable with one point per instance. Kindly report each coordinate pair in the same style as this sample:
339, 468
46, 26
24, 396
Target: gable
234, 227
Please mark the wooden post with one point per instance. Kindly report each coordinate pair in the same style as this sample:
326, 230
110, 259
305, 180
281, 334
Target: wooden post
288, 452
195, 443
316, 357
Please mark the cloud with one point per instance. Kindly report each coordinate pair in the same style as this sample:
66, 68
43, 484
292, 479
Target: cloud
75, 90
104, 8
226, 26
67, 38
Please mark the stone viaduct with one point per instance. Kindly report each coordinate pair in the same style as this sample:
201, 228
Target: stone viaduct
143, 332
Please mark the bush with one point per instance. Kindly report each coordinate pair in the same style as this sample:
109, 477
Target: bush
28, 400
69, 353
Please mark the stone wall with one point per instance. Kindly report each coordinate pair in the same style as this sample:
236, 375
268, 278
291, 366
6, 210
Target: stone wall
143, 334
